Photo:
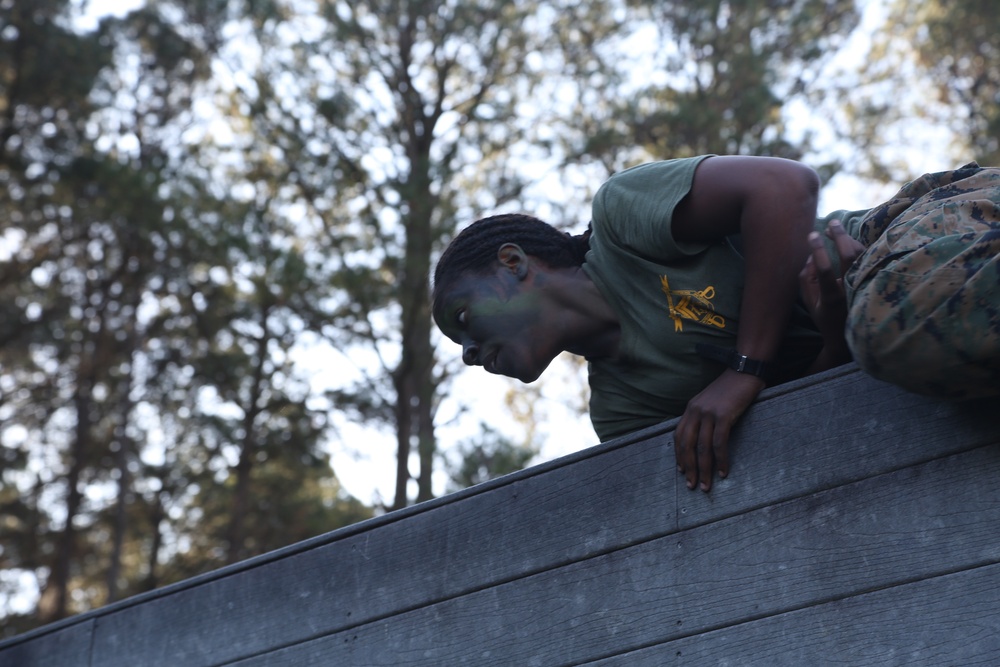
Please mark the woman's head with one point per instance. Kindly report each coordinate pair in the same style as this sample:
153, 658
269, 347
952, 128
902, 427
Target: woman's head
474, 250
486, 295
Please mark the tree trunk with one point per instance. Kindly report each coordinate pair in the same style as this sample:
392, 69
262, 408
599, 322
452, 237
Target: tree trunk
155, 519
118, 533
415, 385
241, 499
124, 480
403, 434
427, 444
54, 604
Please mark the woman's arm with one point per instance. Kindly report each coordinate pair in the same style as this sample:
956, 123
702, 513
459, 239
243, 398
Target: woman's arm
772, 203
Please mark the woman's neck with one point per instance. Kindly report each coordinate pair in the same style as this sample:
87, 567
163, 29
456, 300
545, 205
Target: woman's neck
594, 331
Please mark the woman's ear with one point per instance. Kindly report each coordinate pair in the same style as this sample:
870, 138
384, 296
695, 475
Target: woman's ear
512, 257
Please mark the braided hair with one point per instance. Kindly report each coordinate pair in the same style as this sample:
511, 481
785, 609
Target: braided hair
475, 248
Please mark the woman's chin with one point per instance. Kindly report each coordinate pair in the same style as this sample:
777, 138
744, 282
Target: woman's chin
525, 375
530, 374
526, 370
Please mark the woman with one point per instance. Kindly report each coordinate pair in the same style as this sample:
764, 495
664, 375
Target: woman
682, 296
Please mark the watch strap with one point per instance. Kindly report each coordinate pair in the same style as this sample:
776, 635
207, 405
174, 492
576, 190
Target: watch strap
740, 363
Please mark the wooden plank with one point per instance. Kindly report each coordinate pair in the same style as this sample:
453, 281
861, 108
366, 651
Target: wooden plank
589, 503
939, 517
948, 620
64, 645
618, 495
835, 432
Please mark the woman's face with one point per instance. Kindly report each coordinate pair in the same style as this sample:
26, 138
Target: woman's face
500, 322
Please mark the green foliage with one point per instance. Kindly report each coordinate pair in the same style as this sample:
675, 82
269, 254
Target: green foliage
957, 46
717, 76
487, 455
930, 70
145, 368
387, 117
42, 64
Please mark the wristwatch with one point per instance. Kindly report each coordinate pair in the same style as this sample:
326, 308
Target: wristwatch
740, 363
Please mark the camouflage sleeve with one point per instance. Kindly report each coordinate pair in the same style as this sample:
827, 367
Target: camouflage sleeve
925, 296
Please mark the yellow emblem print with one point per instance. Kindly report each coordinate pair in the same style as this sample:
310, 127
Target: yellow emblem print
693, 305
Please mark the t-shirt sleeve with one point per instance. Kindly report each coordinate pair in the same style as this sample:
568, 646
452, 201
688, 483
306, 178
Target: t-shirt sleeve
635, 208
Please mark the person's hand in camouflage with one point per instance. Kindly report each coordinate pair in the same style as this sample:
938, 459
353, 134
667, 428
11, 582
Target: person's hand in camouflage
823, 291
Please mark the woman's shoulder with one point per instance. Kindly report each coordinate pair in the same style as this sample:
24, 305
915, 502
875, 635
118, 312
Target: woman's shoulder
655, 173
634, 208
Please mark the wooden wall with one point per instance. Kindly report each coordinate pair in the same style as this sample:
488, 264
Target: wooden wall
860, 526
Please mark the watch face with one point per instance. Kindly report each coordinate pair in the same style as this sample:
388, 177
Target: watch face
739, 363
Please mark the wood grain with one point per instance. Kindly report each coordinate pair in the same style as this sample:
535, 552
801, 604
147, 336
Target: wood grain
870, 535
67, 644
843, 490
946, 620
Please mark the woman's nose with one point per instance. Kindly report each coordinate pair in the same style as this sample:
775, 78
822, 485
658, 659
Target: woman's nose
470, 353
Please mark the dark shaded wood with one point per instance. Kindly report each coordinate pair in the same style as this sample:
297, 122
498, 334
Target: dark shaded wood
831, 433
618, 496
573, 512
65, 645
948, 620
877, 533
840, 485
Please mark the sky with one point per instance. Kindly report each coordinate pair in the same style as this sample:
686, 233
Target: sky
93, 10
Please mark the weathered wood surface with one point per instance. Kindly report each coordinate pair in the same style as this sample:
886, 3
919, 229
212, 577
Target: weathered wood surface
946, 620
881, 532
69, 645
844, 489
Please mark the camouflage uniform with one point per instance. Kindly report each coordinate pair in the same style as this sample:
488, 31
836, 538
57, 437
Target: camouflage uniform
925, 295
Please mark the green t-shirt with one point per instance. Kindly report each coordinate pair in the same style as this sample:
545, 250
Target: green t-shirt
669, 297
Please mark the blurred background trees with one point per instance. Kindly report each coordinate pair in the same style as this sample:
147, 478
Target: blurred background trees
219, 219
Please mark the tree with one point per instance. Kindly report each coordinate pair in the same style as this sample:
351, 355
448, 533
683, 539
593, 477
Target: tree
55, 308
927, 87
148, 317
720, 75
954, 47
393, 120
487, 456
